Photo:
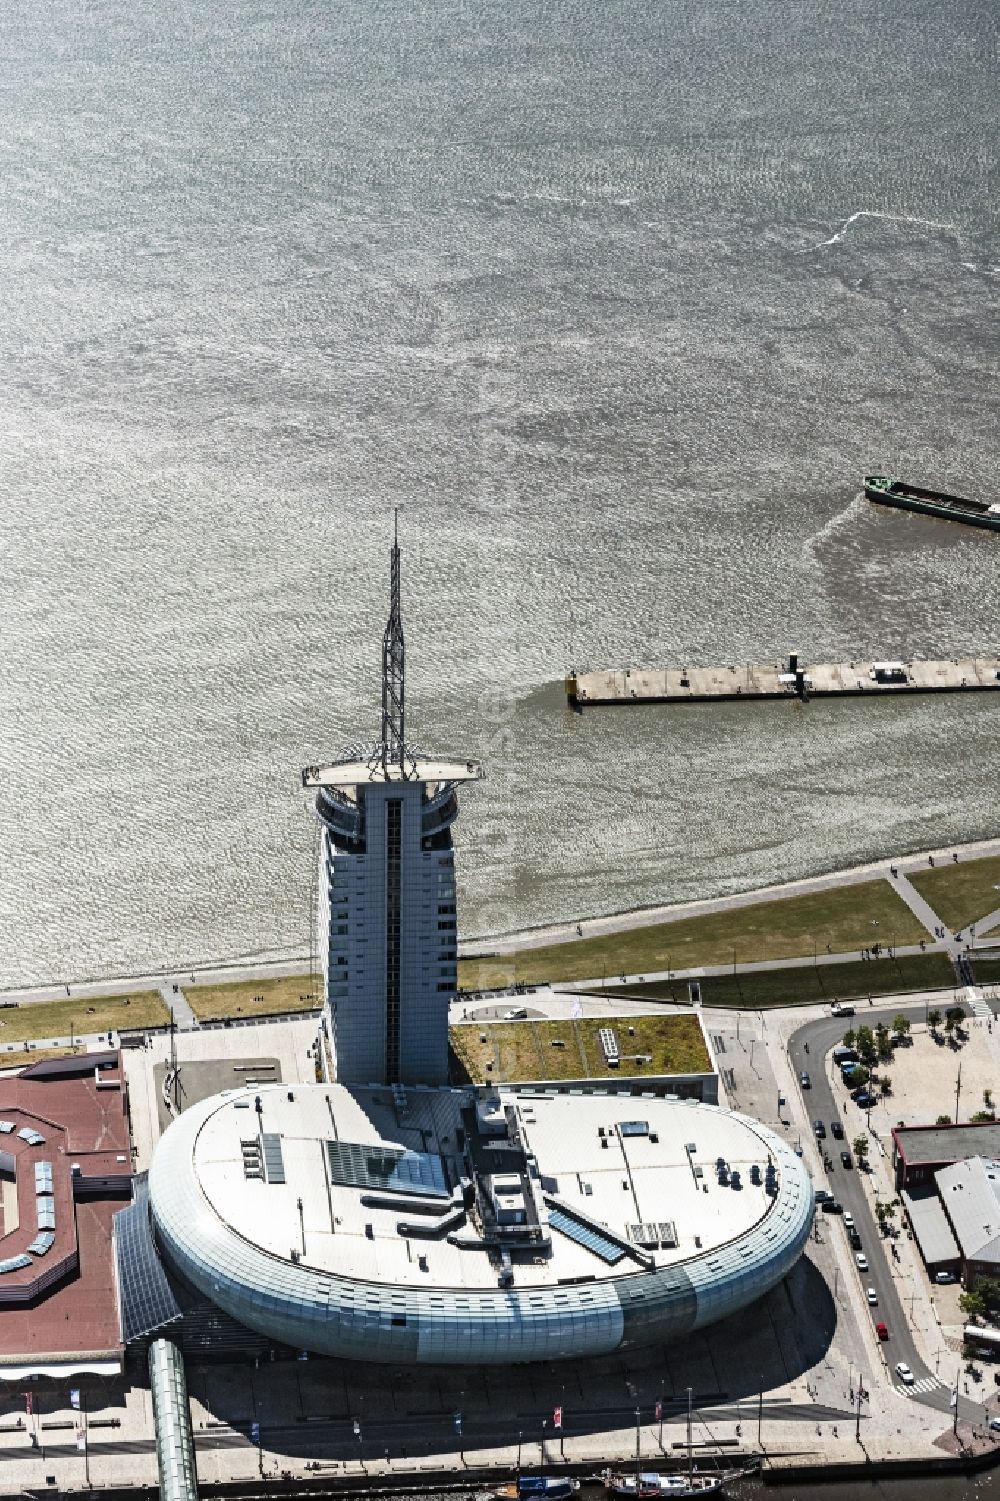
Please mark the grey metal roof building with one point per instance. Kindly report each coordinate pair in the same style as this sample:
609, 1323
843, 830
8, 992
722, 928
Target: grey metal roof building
438, 1226
970, 1197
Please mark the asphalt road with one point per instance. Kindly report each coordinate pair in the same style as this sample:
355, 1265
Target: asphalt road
845, 1184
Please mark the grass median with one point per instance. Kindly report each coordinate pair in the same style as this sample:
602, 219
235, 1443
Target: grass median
960, 892
75, 1018
253, 997
837, 920
758, 990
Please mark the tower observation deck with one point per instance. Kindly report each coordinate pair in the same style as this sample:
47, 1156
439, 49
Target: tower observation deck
387, 920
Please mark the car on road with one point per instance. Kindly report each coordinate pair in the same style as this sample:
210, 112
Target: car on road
837, 1130
839, 1009
873, 1297
847, 1159
831, 1206
855, 1240
904, 1373
944, 1277
882, 1332
517, 1014
862, 1261
820, 1130
805, 1080
849, 1220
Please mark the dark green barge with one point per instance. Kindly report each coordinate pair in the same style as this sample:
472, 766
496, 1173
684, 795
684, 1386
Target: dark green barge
885, 491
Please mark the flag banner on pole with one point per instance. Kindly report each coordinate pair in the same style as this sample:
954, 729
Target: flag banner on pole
953, 1399
29, 1403
458, 1422
557, 1417
74, 1397
81, 1440
576, 1010
255, 1433
659, 1411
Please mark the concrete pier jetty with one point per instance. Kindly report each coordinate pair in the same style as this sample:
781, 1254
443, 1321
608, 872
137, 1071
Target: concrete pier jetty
791, 679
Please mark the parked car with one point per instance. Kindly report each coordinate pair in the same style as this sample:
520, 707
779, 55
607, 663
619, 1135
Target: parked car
872, 1297
855, 1240
864, 1100
805, 1081
849, 1220
862, 1261
831, 1206
837, 1130
517, 1014
820, 1130
882, 1331
847, 1159
995, 1425
904, 1373
819, 1194
945, 1277
839, 1009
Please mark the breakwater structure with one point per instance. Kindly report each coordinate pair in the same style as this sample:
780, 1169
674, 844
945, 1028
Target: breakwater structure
790, 679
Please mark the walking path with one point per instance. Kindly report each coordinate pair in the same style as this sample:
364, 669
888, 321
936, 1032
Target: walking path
178, 1004
643, 917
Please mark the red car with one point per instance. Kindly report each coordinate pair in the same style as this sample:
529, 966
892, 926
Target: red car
881, 1331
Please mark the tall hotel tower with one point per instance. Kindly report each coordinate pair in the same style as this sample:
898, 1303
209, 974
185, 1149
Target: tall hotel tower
387, 926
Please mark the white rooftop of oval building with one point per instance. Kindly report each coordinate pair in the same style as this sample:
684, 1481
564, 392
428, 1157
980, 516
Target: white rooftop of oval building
659, 1172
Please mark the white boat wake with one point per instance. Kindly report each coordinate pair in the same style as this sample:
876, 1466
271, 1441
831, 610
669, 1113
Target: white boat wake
835, 239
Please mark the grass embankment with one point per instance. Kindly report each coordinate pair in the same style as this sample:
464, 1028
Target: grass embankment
837, 920
961, 893
253, 997
761, 989
571, 1049
986, 971
76, 1018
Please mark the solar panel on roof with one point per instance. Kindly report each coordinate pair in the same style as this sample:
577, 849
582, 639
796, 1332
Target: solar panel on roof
274, 1162
389, 1169
583, 1235
42, 1243
6, 1126
15, 1263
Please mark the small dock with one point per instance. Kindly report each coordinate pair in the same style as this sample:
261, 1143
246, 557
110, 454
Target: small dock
791, 679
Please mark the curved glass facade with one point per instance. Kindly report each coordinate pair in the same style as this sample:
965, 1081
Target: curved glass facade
338, 1315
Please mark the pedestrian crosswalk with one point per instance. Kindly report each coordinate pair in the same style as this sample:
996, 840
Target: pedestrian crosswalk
925, 1384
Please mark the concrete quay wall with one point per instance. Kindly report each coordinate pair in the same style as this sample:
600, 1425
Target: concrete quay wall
792, 679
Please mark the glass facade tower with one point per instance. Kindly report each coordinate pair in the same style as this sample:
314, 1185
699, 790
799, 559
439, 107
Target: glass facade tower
387, 929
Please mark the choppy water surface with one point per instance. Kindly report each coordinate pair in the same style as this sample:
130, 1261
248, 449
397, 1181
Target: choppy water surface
617, 302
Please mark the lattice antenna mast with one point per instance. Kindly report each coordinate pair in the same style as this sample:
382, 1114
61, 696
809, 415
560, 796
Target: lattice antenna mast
392, 751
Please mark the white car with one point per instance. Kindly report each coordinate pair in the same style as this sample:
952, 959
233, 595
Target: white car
848, 1219
945, 1278
518, 1014
862, 1261
904, 1373
873, 1297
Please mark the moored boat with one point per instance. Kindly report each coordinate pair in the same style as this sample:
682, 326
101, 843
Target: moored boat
648, 1484
544, 1487
886, 491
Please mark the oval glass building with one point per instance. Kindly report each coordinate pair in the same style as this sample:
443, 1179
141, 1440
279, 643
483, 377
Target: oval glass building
463, 1226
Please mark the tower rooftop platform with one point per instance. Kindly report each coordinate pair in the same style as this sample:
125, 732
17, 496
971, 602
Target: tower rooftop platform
420, 769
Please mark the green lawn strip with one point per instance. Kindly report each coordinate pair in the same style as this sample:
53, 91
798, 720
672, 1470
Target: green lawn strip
21, 1059
74, 1017
760, 989
838, 920
525, 1050
960, 893
986, 971
253, 997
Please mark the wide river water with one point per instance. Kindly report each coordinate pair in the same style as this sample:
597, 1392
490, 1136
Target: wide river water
617, 302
